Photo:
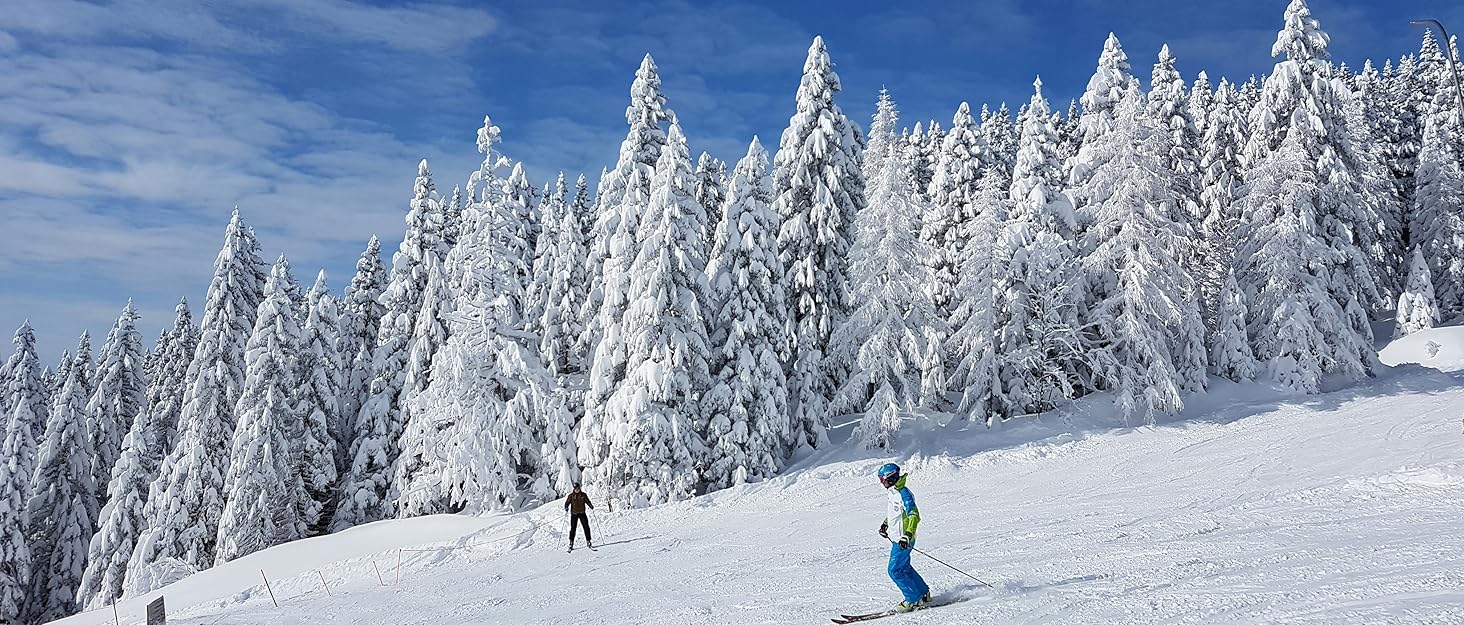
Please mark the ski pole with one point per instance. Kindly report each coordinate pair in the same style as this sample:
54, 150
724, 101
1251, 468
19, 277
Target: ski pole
939, 561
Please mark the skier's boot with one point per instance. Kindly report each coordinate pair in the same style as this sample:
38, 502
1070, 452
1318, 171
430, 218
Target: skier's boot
571, 546
906, 606
924, 602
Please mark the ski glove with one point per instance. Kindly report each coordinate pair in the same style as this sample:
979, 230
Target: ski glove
905, 541
884, 530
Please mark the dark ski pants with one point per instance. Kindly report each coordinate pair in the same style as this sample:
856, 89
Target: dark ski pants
576, 520
911, 585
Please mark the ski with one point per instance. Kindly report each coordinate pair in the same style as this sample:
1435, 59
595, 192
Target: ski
855, 618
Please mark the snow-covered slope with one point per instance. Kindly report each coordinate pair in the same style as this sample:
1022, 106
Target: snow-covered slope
1438, 348
1341, 508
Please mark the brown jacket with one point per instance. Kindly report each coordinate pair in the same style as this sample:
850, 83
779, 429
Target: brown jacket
577, 502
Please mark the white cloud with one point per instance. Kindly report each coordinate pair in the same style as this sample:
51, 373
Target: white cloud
129, 131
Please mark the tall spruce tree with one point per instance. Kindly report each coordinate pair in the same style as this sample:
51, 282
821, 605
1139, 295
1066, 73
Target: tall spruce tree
884, 336
315, 453
1220, 179
482, 395
122, 520
23, 393
361, 313
748, 404
624, 195
953, 189
818, 191
1304, 187
63, 502
567, 286
1144, 334
1435, 223
971, 348
121, 390
379, 424
267, 500
1039, 355
656, 451
185, 502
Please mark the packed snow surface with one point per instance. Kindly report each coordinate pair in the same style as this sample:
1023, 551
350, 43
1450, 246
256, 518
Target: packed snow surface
1254, 507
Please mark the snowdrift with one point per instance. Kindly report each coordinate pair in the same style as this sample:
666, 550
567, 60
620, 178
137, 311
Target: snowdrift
1253, 507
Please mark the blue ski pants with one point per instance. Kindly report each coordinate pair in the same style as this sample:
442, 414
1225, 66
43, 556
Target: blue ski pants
910, 583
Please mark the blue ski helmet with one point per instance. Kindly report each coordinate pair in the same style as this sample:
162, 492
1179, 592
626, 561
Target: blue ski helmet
888, 474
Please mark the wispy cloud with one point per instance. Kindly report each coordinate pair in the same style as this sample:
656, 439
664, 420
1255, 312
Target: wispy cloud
129, 130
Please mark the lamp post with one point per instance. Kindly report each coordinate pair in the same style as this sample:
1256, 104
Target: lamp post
1448, 54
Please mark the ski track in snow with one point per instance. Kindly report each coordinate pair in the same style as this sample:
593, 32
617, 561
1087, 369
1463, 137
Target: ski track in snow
1341, 508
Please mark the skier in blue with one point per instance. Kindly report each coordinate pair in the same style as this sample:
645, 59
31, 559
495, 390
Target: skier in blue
902, 510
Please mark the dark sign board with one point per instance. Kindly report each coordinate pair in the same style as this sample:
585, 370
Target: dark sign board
156, 613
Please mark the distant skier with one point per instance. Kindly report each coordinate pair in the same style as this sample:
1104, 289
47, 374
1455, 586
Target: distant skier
903, 511
576, 504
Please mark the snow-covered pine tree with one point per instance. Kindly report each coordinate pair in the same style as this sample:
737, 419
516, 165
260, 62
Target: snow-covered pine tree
998, 133
151, 359
1436, 225
711, 191
25, 394
524, 221
83, 358
1381, 120
1039, 356
623, 195
1230, 350
567, 287
558, 469
1169, 106
1416, 81
1201, 102
63, 503
1069, 139
121, 392
22, 388
884, 336
382, 418
1291, 311
953, 187
452, 217
926, 149
485, 376
818, 191
748, 404
423, 441
1313, 197
361, 313
266, 495
122, 520
1220, 178
1144, 333
320, 385
1110, 82
883, 125
541, 278
1417, 308
971, 347
653, 421
165, 392
185, 502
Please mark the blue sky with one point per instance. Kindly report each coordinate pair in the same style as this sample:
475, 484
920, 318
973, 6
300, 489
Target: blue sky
130, 129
